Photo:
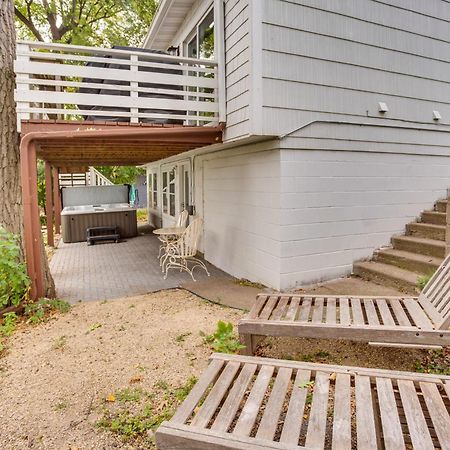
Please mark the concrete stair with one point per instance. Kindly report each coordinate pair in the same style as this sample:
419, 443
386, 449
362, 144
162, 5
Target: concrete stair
419, 252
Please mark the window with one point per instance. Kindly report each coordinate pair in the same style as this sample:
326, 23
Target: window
200, 43
168, 192
152, 184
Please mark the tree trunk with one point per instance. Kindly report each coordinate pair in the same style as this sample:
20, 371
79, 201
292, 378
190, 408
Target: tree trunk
11, 212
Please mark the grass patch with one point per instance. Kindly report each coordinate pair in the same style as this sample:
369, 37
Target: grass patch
135, 414
423, 280
248, 283
41, 310
60, 343
436, 361
182, 336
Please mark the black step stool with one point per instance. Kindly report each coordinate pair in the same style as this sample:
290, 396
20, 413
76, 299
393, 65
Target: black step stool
95, 234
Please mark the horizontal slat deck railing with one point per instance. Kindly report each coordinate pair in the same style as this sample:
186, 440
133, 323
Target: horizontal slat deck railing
257, 403
55, 79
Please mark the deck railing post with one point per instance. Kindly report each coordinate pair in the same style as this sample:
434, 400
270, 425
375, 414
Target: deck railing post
134, 118
57, 200
447, 226
22, 84
49, 204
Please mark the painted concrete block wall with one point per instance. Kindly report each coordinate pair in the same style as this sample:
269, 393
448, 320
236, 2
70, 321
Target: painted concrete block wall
241, 209
237, 68
325, 59
338, 206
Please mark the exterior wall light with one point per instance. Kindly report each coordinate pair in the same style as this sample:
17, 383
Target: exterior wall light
437, 115
383, 107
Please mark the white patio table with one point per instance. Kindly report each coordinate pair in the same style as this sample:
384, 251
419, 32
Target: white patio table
165, 235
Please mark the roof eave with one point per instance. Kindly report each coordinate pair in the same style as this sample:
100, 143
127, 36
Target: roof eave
158, 20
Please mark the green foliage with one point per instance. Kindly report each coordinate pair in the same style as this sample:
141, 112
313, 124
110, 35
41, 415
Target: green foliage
7, 327
423, 280
85, 22
436, 361
14, 281
223, 340
141, 412
39, 311
121, 174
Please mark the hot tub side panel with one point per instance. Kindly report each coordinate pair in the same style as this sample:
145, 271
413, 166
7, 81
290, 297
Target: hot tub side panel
74, 226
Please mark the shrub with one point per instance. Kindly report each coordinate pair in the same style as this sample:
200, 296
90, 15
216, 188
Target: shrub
39, 311
14, 281
224, 340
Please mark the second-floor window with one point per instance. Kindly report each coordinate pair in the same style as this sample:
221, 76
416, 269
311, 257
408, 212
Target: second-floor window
200, 43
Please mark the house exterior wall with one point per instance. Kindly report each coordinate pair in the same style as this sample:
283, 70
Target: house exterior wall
346, 189
237, 193
324, 59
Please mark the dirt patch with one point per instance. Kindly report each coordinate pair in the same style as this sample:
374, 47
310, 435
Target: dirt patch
56, 378
346, 353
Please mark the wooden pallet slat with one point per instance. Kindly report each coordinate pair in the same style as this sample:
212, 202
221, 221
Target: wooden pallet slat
385, 313
365, 420
280, 309
417, 314
292, 308
438, 412
235, 396
417, 425
392, 429
257, 306
305, 309
344, 311
399, 312
269, 421
371, 312
317, 312
216, 394
315, 435
268, 308
294, 416
357, 313
197, 392
331, 310
250, 410
342, 431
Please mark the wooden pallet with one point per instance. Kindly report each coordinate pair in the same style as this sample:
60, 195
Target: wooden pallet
245, 403
418, 322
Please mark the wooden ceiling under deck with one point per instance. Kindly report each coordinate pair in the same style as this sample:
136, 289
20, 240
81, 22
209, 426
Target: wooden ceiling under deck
67, 144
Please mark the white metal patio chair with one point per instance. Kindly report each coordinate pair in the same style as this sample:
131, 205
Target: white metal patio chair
180, 223
181, 254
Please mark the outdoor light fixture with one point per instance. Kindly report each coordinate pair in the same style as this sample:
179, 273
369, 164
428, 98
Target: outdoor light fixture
382, 107
437, 115
174, 51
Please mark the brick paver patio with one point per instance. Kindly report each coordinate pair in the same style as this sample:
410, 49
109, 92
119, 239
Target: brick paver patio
106, 271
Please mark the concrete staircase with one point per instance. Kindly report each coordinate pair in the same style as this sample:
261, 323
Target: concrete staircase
419, 252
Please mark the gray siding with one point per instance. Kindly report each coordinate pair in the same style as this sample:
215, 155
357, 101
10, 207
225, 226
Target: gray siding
325, 59
237, 62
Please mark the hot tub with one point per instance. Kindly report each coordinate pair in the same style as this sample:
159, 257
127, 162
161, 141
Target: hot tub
75, 220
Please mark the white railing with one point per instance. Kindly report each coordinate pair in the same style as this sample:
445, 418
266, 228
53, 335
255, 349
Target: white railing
97, 179
78, 83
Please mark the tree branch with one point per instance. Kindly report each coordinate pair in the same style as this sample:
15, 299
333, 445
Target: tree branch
29, 24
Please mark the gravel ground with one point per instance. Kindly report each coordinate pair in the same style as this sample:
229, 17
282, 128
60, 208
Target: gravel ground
56, 376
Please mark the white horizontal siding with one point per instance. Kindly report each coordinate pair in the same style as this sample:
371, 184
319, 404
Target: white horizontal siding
325, 59
338, 206
241, 211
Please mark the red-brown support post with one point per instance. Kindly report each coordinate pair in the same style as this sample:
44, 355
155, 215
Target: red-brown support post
32, 226
49, 204
57, 200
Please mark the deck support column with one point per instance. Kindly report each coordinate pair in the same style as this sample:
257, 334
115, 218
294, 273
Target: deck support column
57, 200
49, 204
31, 222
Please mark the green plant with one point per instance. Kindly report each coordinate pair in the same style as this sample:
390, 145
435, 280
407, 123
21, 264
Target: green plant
7, 327
182, 392
223, 340
130, 395
248, 283
14, 281
37, 312
60, 343
93, 327
423, 280
436, 361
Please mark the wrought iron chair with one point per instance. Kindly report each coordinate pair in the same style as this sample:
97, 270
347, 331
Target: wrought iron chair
180, 223
182, 253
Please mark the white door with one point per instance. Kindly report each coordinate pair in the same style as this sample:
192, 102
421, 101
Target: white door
176, 191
